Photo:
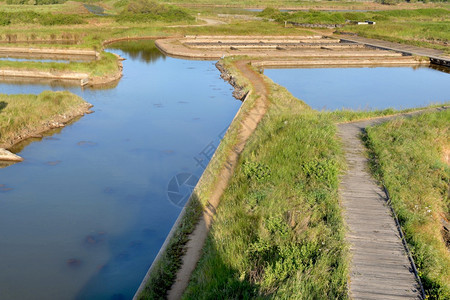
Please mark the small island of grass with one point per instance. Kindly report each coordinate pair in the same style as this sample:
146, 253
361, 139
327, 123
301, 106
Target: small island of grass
25, 115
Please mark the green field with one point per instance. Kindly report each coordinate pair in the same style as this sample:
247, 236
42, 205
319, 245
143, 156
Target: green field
408, 155
278, 231
425, 25
107, 64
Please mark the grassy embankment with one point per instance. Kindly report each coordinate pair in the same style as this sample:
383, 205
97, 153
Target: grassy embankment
428, 27
360, 5
425, 27
280, 206
107, 64
20, 114
133, 19
408, 155
278, 230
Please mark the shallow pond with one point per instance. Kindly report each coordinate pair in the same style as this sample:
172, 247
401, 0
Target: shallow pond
85, 214
94, 9
365, 88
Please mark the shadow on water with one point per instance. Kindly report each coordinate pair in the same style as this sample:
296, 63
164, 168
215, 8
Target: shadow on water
144, 51
440, 68
47, 135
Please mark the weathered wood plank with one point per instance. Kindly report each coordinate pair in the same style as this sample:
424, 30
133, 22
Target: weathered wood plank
380, 268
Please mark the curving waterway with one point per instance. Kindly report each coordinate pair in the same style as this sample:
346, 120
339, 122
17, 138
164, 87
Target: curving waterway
85, 214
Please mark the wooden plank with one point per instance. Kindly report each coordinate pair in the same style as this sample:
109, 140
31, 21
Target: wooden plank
380, 268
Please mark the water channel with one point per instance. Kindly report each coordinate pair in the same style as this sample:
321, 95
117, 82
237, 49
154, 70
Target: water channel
365, 88
85, 214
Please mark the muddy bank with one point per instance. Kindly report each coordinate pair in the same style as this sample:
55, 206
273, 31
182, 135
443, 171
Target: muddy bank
75, 77
110, 78
239, 91
52, 123
7, 156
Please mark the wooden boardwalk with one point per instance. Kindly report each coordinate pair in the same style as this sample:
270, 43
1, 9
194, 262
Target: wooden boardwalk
380, 268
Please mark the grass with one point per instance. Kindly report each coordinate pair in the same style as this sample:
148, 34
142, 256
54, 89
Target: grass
81, 36
145, 11
278, 231
23, 113
46, 19
295, 4
429, 27
347, 115
430, 34
425, 26
107, 64
408, 157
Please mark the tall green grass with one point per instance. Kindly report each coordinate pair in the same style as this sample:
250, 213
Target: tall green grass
19, 113
429, 27
45, 19
408, 157
107, 64
278, 231
138, 11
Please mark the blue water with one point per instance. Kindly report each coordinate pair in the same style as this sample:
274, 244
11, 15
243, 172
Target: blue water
85, 214
365, 88
96, 10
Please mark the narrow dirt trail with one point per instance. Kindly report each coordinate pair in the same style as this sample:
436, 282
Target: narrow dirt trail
198, 237
208, 22
380, 267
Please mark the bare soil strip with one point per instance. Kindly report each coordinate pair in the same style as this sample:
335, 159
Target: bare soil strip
197, 239
380, 267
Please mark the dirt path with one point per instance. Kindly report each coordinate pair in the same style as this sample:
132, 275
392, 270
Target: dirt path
198, 237
380, 267
208, 22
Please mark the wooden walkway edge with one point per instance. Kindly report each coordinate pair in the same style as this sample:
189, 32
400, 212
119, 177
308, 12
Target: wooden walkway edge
379, 268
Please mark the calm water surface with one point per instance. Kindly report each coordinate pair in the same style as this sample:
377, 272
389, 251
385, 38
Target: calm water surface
365, 88
85, 214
